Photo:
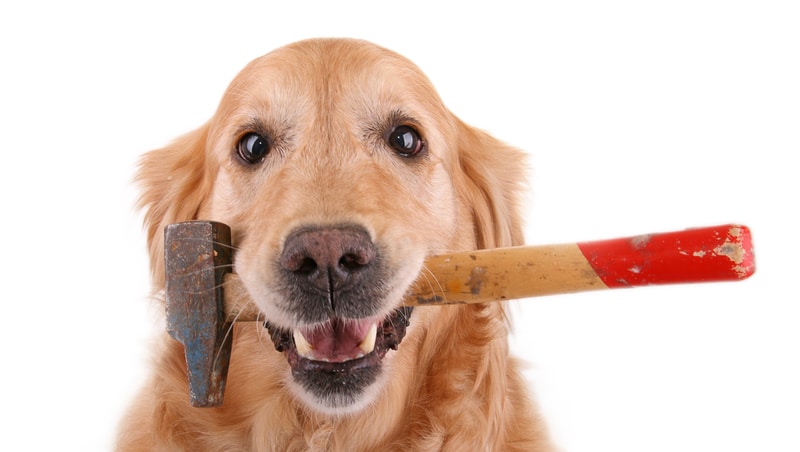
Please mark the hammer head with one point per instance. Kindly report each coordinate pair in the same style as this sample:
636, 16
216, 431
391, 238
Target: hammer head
198, 254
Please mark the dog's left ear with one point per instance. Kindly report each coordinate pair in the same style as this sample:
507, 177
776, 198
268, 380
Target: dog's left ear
175, 180
494, 176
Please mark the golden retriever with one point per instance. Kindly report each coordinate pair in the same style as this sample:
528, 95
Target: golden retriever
339, 170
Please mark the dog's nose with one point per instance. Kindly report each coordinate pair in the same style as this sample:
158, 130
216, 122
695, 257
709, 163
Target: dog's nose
328, 259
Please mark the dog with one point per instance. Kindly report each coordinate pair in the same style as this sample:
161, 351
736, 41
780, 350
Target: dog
339, 170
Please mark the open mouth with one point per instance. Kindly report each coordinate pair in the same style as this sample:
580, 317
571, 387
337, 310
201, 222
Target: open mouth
335, 361
341, 344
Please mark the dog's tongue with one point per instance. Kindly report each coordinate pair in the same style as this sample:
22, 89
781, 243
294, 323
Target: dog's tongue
336, 340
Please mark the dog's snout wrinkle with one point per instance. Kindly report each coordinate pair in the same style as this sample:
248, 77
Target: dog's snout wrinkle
328, 259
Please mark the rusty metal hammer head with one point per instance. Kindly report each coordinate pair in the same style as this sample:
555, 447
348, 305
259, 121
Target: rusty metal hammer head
198, 255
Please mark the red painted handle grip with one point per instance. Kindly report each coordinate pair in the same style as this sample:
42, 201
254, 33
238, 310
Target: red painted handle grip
719, 253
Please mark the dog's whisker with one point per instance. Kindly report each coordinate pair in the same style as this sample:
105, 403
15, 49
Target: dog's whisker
240, 301
239, 313
202, 270
260, 329
206, 290
430, 279
228, 333
225, 245
201, 291
214, 242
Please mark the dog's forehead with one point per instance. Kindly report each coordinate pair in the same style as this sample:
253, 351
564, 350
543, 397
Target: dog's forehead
334, 72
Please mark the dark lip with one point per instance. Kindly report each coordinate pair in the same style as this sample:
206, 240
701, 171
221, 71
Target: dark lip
390, 334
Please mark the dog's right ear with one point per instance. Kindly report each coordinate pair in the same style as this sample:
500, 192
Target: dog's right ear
174, 182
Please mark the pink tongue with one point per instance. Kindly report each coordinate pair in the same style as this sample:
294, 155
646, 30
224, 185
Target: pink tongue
337, 340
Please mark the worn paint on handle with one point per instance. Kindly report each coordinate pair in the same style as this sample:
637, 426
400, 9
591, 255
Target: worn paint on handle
718, 253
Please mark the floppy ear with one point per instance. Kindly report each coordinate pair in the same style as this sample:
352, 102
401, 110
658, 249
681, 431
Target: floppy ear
493, 182
174, 181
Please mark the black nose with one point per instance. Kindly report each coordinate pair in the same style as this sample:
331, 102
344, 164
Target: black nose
329, 260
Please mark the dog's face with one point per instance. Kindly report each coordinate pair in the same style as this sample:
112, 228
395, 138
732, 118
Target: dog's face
331, 160
339, 170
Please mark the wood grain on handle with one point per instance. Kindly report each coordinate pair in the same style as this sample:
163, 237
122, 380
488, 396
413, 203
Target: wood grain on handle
720, 253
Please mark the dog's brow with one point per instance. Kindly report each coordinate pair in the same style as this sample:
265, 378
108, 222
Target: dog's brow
402, 117
254, 124
383, 123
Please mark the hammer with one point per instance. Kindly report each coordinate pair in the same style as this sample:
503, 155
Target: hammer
204, 297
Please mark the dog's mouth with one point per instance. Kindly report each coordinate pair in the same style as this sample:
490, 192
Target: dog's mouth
337, 359
341, 344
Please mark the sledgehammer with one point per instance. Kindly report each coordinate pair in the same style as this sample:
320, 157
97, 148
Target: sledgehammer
204, 297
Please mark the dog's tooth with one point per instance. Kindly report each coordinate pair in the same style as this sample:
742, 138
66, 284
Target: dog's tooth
301, 344
367, 345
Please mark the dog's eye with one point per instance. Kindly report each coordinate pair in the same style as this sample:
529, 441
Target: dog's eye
405, 140
253, 148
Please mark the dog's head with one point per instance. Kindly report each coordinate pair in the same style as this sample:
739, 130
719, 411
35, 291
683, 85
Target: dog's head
339, 170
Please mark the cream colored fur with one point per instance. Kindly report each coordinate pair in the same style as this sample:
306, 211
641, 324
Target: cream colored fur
451, 385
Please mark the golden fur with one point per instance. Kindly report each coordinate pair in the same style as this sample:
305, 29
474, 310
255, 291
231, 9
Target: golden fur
451, 385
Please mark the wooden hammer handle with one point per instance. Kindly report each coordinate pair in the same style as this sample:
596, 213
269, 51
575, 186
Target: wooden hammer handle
720, 253
203, 297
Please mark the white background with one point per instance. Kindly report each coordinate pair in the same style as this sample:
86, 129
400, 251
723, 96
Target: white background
638, 117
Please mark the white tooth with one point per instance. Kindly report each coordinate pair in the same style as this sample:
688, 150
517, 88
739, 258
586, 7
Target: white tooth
302, 345
368, 343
